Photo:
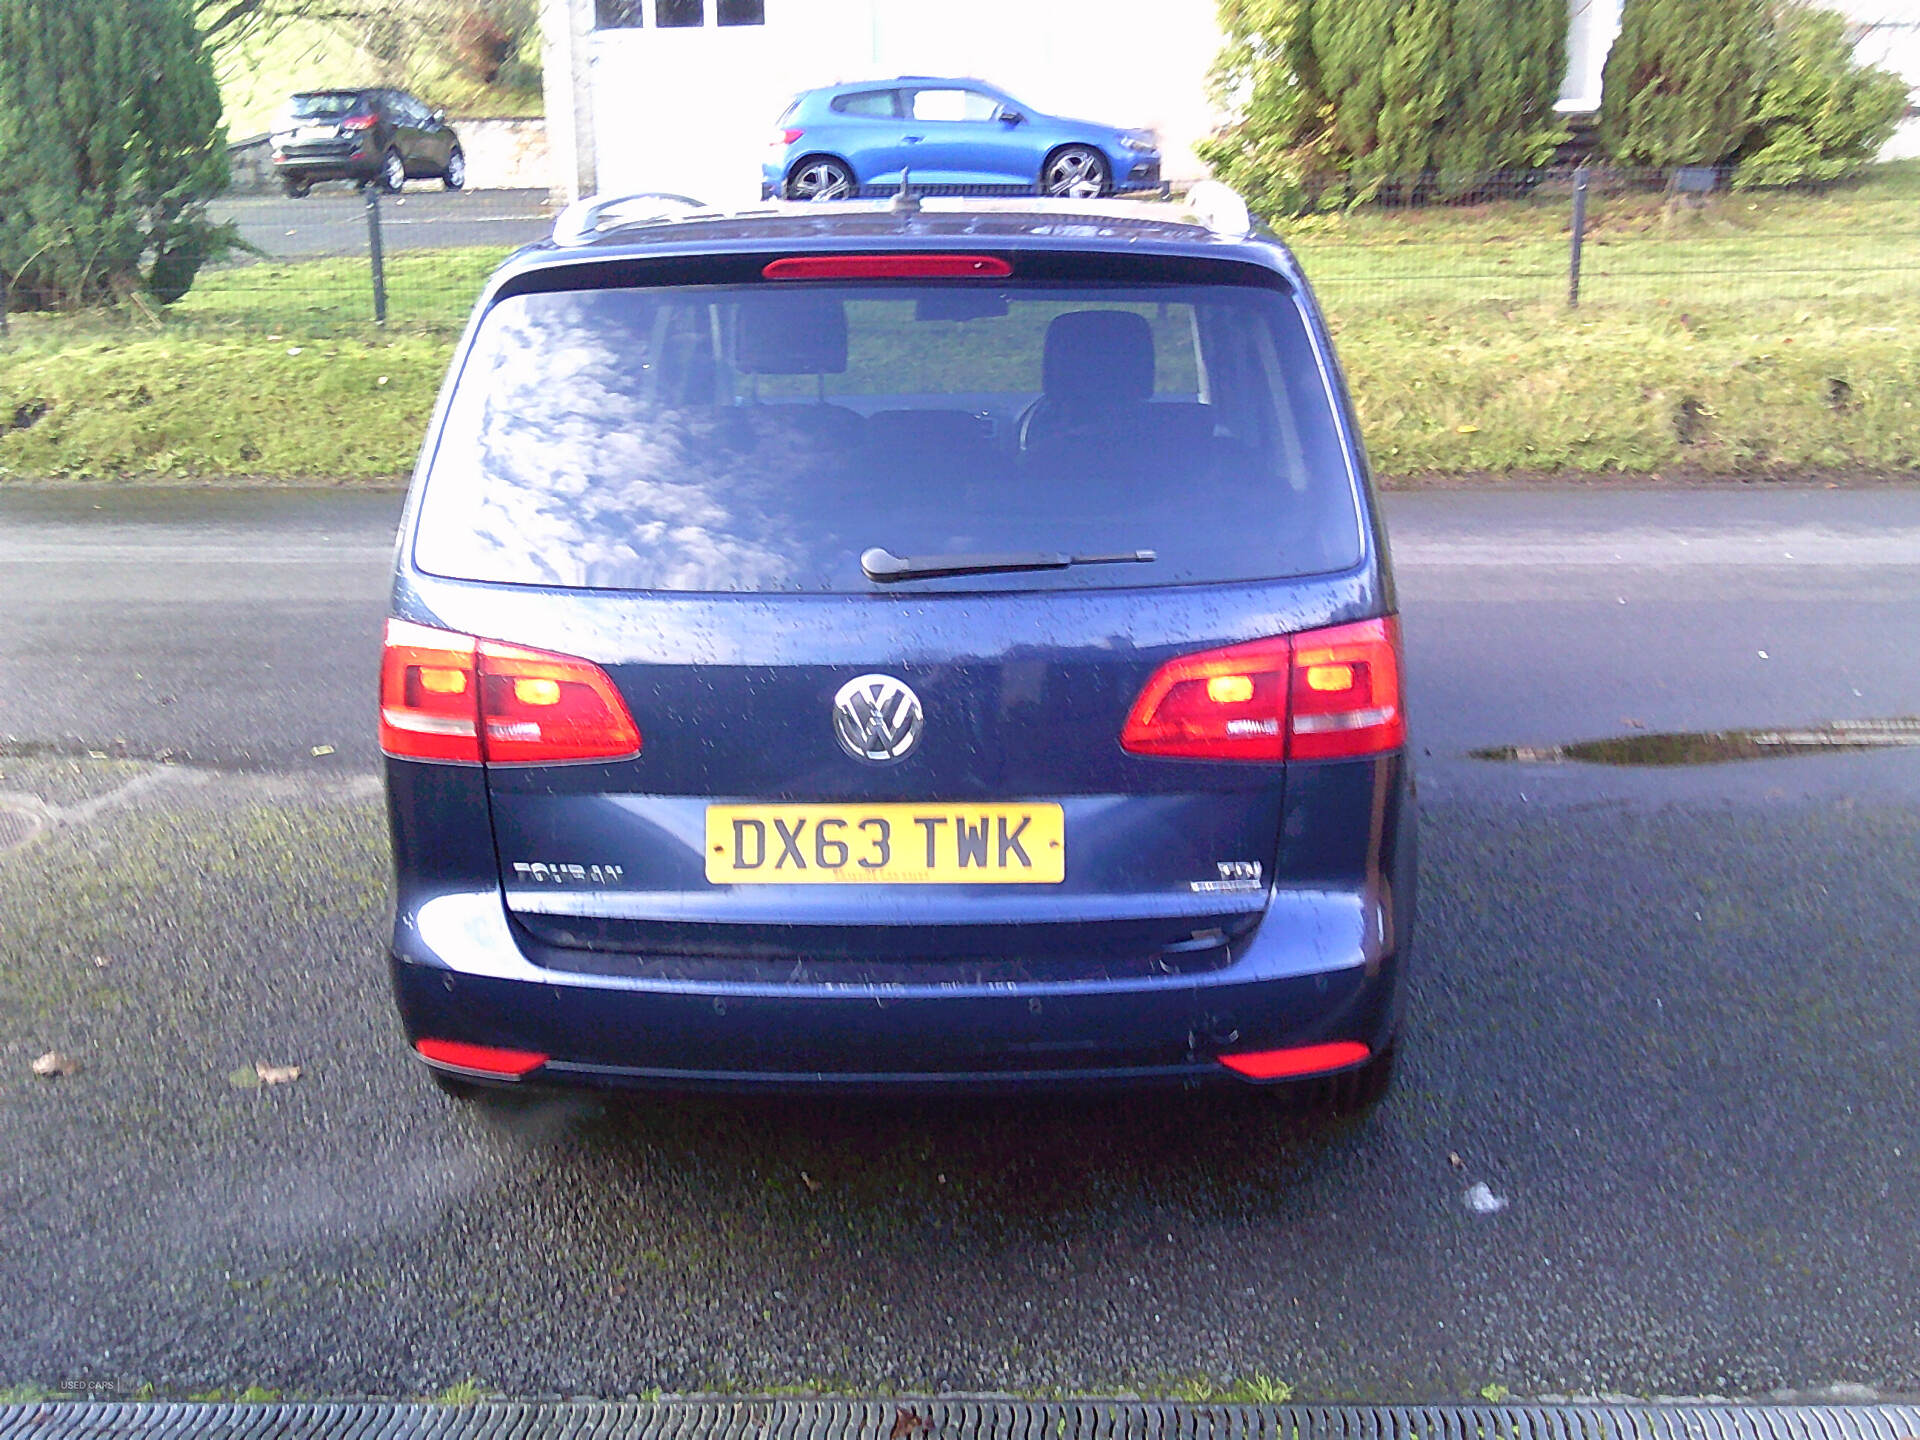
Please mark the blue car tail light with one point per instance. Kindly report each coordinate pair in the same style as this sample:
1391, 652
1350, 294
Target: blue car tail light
451, 697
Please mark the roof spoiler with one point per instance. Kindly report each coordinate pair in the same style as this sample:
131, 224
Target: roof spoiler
586, 217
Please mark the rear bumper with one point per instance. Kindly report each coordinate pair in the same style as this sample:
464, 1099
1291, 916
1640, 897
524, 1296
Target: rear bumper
330, 167
1320, 968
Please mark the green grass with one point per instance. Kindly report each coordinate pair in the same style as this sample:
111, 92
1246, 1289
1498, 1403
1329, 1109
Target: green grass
258, 75
1759, 335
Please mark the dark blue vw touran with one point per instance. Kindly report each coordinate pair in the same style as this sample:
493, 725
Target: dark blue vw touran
887, 646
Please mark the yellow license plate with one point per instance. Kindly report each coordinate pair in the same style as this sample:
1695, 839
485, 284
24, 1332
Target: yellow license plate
935, 844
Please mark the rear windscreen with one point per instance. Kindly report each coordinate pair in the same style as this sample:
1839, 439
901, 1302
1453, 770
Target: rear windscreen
321, 107
762, 438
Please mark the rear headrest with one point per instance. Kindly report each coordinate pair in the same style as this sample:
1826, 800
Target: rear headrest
790, 335
1098, 357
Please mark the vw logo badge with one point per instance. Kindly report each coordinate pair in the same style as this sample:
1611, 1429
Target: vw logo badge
877, 717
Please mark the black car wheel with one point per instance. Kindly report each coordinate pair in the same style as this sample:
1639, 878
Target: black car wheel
393, 172
296, 189
820, 179
456, 174
1077, 171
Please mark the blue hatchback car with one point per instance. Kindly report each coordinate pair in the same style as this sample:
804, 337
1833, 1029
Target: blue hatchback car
898, 647
946, 134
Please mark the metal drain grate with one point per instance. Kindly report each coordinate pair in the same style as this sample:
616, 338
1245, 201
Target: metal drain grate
956, 1420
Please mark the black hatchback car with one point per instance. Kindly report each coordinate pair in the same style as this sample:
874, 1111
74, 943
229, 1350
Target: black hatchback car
867, 647
383, 137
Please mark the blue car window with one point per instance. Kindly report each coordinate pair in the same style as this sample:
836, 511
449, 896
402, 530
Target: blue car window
875, 104
760, 439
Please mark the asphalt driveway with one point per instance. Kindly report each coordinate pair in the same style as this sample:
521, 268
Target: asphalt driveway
1666, 1017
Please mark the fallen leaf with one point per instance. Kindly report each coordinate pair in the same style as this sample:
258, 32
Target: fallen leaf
1454, 1159
276, 1074
101, 962
813, 1185
294, 349
905, 1423
1466, 429
54, 1063
321, 750
1632, 723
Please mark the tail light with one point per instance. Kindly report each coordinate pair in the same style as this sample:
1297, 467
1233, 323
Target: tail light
480, 1059
1346, 692
1228, 704
785, 137
358, 122
451, 697
1320, 695
1302, 1060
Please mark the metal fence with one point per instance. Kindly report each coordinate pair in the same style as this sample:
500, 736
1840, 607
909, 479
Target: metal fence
1595, 239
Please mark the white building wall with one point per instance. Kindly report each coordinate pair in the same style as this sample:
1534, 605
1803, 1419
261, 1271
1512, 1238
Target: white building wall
1592, 27
1888, 34
689, 110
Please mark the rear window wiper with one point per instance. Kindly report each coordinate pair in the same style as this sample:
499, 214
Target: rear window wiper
883, 565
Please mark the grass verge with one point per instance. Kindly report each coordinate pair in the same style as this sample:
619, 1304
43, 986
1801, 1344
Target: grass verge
1759, 336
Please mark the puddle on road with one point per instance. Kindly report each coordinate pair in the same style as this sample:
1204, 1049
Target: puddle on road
1713, 747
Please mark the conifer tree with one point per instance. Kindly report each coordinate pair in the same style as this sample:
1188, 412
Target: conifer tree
1342, 97
1682, 82
110, 146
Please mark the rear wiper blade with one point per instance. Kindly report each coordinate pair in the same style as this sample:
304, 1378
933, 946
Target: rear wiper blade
883, 565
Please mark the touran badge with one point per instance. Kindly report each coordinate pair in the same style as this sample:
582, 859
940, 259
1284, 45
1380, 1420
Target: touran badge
877, 717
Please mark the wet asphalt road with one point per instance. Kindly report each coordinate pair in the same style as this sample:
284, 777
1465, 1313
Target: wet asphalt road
1668, 1016
333, 219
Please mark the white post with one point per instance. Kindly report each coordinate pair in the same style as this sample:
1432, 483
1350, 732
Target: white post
566, 38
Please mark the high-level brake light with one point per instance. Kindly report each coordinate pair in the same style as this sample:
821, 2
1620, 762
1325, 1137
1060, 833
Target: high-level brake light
888, 267
445, 696
1320, 695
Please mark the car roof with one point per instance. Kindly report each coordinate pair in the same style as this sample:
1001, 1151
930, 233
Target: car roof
881, 82
594, 230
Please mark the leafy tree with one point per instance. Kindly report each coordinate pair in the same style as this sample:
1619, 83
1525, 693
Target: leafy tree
1682, 82
110, 147
1342, 97
1821, 113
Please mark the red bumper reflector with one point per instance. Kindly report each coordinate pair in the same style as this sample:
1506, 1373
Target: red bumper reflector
1304, 1060
480, 1059
888, 267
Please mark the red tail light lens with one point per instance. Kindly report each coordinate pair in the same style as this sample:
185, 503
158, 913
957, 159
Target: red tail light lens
480, 1059
788, 136
888, 267
450, 697
1303, 1060
1320, 695
539, 708
1346, 691
429, 705
358, 122
1228, 704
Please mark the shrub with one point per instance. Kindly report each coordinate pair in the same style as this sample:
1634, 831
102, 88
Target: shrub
110, 147
1340, 98
1820, 112
1770, 86
1681, 83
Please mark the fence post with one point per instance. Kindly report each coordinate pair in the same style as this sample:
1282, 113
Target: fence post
379, 259
1579, 234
